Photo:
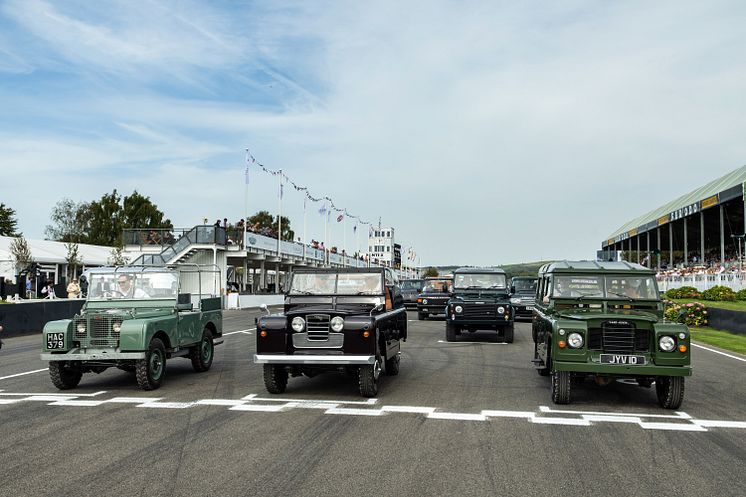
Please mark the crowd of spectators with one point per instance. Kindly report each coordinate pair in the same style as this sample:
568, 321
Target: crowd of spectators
711, 265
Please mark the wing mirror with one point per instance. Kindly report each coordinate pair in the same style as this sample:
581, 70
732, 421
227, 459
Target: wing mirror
264, 308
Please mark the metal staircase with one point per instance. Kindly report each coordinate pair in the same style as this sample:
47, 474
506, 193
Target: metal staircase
191, 242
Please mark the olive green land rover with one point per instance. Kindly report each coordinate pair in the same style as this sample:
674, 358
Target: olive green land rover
135, 319
605, 320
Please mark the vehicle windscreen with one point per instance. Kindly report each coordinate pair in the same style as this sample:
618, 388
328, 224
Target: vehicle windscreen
631, 287
438, 286
477, 280
411, 286
524, 286
611, 287
336, 284
133, 285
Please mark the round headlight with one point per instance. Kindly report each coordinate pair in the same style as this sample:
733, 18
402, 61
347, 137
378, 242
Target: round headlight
501, 310
337, 323
561, 332
116, 327
459, 309
575, 340
424, 301
298, 324
667, 344
515, 300
682, 336
81, 328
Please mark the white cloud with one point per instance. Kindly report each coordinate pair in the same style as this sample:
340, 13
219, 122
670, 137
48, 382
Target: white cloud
471, 128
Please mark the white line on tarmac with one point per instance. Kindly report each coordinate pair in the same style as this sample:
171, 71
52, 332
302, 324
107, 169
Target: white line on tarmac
245, 332
706, 348
679, 415
473, 343
23, 374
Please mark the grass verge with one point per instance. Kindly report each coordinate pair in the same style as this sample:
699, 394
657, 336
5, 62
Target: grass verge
722, 339
738, 305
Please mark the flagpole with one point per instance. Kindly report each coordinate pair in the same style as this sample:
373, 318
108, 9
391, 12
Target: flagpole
279, 217
246, 205
344, 238
305, 241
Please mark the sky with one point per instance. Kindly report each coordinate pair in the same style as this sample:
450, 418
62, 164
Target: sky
485, 133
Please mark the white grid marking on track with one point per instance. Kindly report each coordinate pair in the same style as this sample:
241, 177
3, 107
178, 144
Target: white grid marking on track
252, 403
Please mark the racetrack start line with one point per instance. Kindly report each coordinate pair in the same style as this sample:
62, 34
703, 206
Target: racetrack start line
245, 332
679, 421
705, 348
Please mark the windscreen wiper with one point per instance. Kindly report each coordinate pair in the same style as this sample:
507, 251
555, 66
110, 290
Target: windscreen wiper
622, 295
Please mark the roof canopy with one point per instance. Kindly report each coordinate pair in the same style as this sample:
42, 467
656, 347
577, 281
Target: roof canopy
593, 266
716, 188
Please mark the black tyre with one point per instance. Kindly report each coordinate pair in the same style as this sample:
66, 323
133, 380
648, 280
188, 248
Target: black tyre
421, 316
275, 378
450, 332
561, 387
367, 377
670, 390
151, 370
203, 353
62, 376
392, 365
508, 335
533, 335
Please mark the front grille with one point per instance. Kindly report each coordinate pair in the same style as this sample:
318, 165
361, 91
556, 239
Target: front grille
317, 326
479, 311
97, 333
618, 337
303, 341
528, 300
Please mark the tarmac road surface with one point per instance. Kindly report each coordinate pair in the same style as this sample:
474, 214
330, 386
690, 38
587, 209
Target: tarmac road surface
466, 418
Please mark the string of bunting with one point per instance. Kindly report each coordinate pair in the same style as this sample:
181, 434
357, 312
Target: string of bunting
251, 160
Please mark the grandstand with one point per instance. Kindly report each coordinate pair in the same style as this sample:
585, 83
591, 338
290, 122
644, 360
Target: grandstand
705, 227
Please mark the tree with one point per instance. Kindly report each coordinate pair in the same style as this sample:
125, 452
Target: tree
431, 272
7, 221
265, 224
116, 258
101, 222
20, 253
73, 259
69, 221
141, 212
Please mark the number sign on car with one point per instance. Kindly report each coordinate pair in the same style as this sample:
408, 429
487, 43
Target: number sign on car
623, 360
55, 340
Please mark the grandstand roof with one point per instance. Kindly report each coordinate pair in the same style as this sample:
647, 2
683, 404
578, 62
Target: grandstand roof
715, 187
50, 252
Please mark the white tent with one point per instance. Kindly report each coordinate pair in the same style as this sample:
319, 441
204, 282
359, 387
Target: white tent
51, 256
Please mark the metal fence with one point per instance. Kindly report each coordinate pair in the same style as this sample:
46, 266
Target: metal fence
702, 282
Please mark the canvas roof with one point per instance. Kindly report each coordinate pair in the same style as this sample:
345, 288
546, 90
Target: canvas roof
733, 178
50, 252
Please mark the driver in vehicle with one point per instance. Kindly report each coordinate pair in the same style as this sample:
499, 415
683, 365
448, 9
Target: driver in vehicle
126, 289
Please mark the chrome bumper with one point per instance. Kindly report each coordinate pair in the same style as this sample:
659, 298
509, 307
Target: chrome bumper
97, 355
359, 360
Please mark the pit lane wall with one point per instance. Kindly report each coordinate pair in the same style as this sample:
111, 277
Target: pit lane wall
26, 318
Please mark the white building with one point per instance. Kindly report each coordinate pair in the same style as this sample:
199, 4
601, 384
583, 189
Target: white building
51, 258
381, 246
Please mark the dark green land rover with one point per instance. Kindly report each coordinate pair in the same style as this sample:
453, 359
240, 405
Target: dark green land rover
605, 319
480, 301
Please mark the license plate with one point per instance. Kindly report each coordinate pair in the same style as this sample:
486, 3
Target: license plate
623, 360
529, 308
55, 340
424, 309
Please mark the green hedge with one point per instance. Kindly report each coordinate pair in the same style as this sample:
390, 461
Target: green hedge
685, 292
719, 293
691, 314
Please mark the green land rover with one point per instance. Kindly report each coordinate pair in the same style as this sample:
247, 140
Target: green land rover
605, 320
135, 318
480, 301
